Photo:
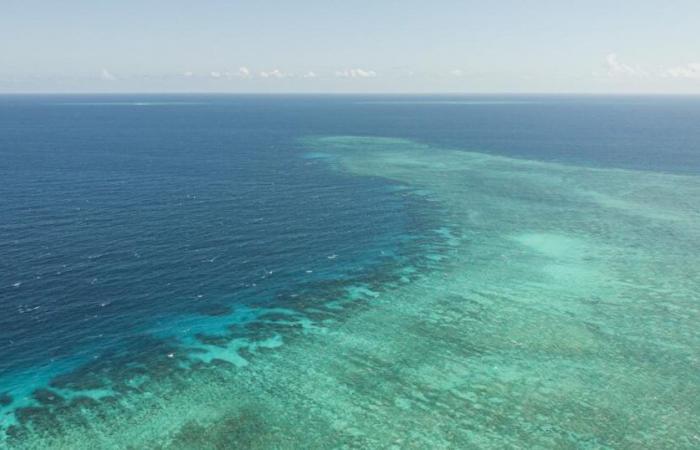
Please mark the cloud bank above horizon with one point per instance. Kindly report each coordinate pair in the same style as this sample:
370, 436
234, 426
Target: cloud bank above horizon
447, 46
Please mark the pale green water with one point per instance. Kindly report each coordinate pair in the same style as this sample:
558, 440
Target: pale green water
564, 313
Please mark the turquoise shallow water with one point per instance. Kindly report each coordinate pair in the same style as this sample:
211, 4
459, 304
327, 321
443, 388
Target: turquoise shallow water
567, 314
456, 299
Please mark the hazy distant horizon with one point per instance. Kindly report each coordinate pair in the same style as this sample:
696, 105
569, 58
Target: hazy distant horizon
352, 94
577, 47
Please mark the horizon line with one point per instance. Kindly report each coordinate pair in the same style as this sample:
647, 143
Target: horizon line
326, 93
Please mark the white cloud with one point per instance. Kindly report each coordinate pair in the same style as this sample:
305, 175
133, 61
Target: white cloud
244, 72
309, 74
457, 73
275, 74
188, 74
691, 70
107, 76
616, 68
355, 73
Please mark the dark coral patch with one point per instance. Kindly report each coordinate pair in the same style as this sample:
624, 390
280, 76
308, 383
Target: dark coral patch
212, 339
47, 397
5, 399
214, 309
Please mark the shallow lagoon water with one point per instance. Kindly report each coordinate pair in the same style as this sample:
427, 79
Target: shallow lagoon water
524, 304
556, 307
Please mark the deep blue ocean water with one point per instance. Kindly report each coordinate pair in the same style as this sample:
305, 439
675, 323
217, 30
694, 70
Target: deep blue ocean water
123, 217
118, 217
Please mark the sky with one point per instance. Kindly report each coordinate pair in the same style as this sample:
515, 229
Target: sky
351, 46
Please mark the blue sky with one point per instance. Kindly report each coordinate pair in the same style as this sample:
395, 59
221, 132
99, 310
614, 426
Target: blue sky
350, 46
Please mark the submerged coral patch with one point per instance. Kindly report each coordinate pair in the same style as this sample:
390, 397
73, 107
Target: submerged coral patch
529, 307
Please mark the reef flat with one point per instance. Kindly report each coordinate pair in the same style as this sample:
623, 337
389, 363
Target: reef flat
549, 305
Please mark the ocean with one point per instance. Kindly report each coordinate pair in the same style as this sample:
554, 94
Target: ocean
317, 271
